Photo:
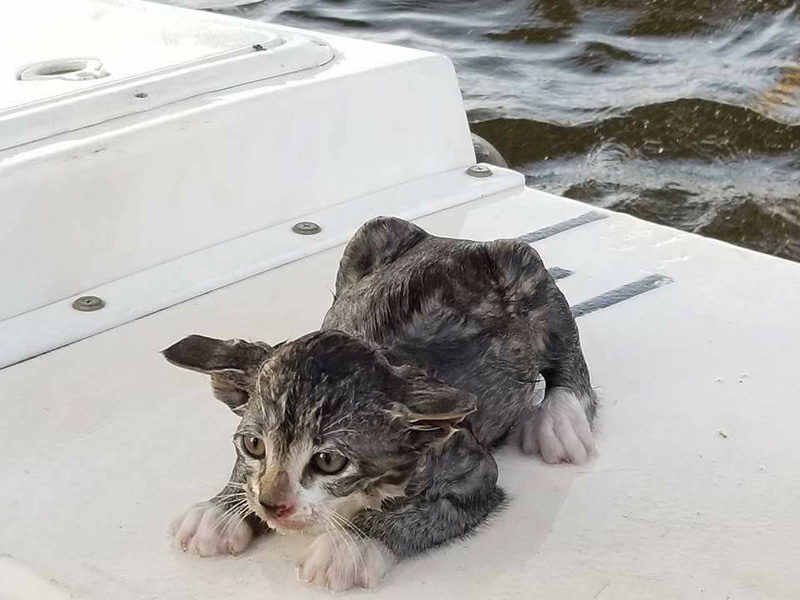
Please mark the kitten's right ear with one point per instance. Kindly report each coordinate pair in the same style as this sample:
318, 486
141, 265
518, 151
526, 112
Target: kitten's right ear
232, 364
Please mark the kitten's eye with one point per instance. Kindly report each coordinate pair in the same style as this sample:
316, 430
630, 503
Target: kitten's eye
254, 446
328, 463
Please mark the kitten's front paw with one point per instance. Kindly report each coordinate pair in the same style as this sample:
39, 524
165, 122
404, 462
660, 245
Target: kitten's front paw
558, 430
340, 562
206, 530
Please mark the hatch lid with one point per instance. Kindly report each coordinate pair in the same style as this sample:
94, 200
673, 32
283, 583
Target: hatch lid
69, 65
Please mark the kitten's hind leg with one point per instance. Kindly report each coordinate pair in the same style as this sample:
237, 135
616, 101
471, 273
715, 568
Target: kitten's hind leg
558, 430
560, 427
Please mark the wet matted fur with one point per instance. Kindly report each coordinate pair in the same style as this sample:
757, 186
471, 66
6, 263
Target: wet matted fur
377, 430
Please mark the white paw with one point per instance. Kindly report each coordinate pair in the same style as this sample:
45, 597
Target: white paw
558, 430
342, 561
207, 530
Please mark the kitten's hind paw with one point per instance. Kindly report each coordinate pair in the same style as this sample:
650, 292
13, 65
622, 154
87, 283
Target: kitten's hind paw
208, 530
340, 562
558, 430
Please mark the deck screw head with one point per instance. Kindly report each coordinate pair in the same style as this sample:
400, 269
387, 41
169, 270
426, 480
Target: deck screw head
306, 228
88, 303
479, 171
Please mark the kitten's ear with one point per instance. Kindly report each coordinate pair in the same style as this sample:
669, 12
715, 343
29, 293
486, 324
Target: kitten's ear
230, 363
434, 407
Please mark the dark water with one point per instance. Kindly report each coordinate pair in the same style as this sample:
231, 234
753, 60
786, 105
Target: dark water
683, 112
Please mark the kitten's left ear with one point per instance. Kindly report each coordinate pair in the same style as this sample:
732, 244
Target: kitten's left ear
230, 363
434, 407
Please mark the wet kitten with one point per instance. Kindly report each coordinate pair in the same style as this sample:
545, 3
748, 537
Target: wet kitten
376, 431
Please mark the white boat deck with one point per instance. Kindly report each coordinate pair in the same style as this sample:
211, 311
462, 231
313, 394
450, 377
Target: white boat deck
694, 494
175, 203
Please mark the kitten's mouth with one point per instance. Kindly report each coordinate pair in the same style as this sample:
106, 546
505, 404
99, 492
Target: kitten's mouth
288, 525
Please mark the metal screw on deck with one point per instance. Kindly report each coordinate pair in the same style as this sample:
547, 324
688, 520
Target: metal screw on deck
479, 171
306, 228
88, 303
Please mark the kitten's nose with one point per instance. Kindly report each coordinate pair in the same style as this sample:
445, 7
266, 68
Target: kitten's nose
279, 510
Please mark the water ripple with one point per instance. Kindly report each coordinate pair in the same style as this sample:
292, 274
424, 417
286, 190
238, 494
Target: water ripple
685, 112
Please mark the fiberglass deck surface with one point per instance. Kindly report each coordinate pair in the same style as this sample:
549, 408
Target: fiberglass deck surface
694, 494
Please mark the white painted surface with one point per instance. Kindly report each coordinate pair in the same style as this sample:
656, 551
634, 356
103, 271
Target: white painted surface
209, 3
132, 40
136, 48
169, 283
102, 442
87, 207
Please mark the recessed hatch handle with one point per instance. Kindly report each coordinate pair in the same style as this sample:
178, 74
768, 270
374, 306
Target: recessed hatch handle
70, 69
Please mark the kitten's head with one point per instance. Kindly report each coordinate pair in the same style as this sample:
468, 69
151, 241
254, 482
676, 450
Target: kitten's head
327, 424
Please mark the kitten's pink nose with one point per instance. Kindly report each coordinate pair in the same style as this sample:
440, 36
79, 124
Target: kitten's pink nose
281, 510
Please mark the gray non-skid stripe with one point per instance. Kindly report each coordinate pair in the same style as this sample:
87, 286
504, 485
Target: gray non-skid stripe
620, 294
546, 232
559, 273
